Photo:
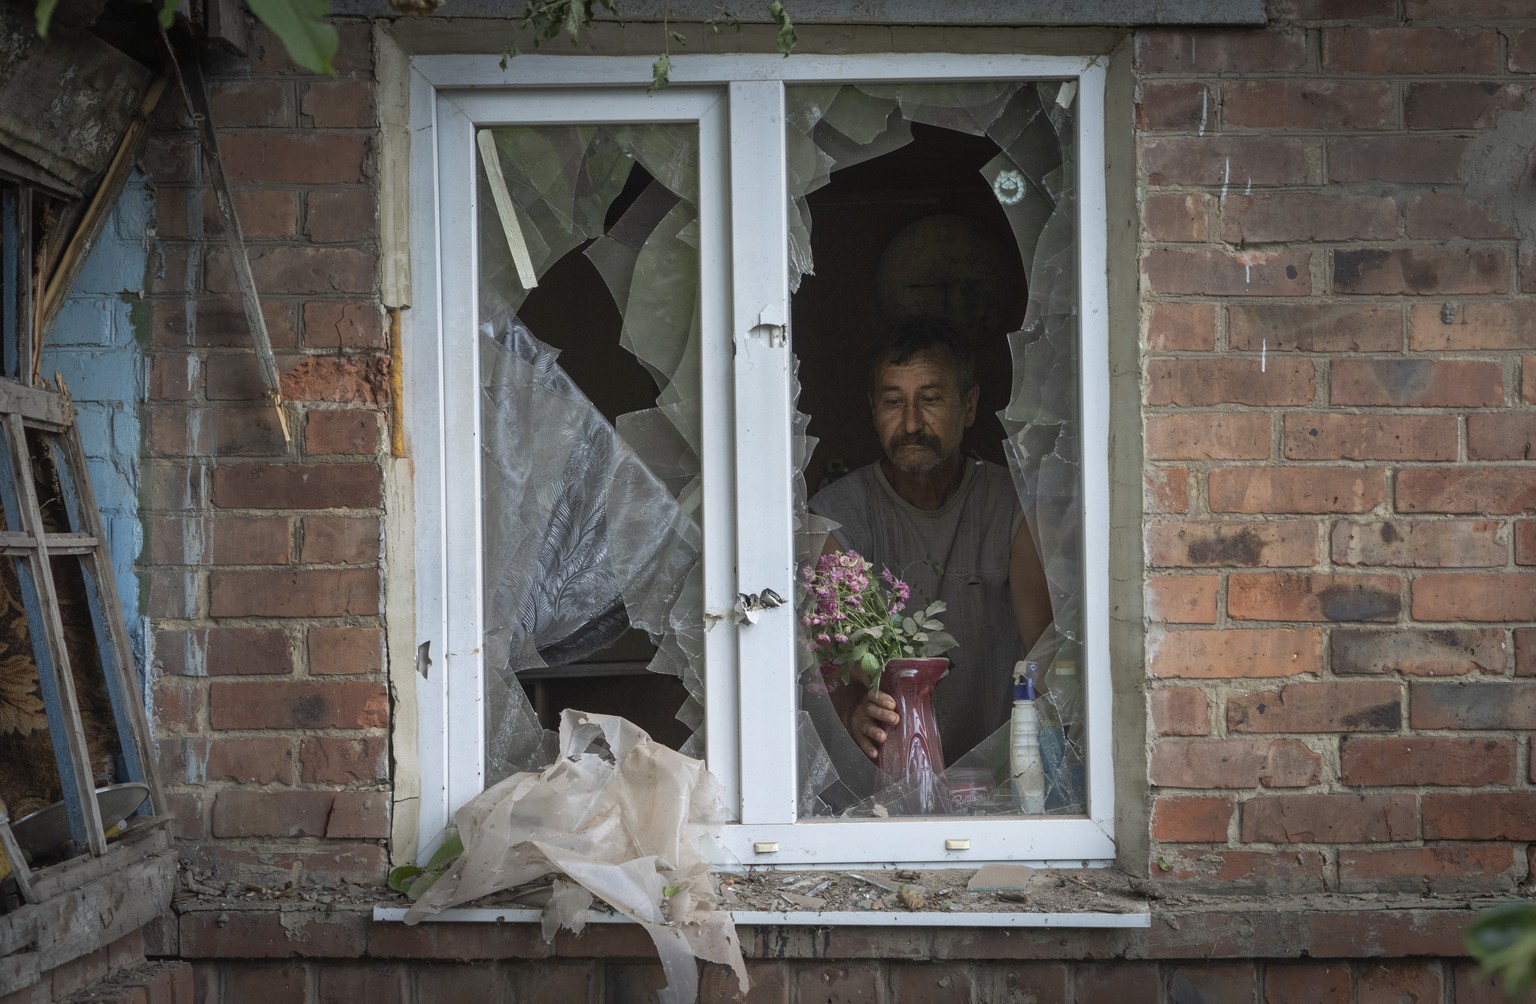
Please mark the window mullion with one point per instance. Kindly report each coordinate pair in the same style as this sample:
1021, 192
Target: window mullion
764, 510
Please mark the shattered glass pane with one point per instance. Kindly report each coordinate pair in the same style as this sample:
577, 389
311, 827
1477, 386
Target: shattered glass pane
589, 275
955, 201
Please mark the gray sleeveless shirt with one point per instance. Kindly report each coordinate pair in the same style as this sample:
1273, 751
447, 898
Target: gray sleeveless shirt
958, 553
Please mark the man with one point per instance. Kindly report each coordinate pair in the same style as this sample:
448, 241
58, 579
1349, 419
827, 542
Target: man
950, 525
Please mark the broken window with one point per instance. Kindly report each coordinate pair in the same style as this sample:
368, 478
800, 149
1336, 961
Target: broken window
955, 202
613, 520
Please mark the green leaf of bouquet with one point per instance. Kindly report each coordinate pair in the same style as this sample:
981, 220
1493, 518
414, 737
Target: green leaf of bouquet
870, 662
451, 848
297, 23
167, 14
43, 15
908, 625
400, 878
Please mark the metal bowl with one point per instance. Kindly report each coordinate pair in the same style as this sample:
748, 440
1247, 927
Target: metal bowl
43, 832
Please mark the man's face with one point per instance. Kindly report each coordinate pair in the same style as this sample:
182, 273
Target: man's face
920, 413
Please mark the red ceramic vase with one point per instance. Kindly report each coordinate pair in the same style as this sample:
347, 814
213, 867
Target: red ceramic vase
912, 755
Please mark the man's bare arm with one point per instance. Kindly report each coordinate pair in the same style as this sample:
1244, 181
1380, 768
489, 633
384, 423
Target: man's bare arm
1026, 582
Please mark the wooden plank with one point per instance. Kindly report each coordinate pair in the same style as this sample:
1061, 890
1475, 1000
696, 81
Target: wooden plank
19, 971
38, 405
111, 630
16, 862
15, 282
145, 839
54, 676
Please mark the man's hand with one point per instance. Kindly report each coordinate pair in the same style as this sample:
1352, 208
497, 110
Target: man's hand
865, 713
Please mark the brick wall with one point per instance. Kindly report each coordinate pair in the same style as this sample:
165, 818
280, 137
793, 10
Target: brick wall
1339, 359
1338, 425
263, 571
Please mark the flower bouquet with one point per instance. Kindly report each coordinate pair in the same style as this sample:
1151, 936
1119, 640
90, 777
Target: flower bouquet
856, 622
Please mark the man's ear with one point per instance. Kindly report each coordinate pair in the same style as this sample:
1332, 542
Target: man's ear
971, 397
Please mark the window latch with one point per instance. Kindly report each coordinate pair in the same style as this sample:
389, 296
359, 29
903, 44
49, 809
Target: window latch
749, 606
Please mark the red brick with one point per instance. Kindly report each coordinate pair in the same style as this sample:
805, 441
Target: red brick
250, 540
354, 50
178, 705
1441, 216
356, 651
1238, 161
221, 324
1217, 655
330, 760
339, 104
249, 761
1426, 760
1120, 980
1421, 271
1295, 489
1416, 383
1180, 105
1196, 383
1234, 763
1479, 816
1461, 104
1360, 934
1235, 871
467, 942
371, 982
1293, 596
1484, 596
188, 820
933, 982
1436, 868
1421, 543
1473, 325
240, 813
286, 270
1213, 983
1165, 489
1401, 159
1331, 10
1528, 379
174, 376
456, 982
1307, 104
1165, 50
1215, 272
1502, 436
335, 325
1318, 707
1329, 819
831, 981
1208, 435
343, 592
1522, 50
1192, 820
262, 214
297, 486
1409, 50
1305, 982
352, 861
359, 815
570, 982
269, 934
1525, 542
1182, 599
251, 102
300, 704
1173, 326
248, 432
172, 593
229, 651
170, 157
1257, 544
79, 973
1179, 217
360, 379
1320, 436
1180, 711
1525, 651
1462, 705
1470, 490
1301, 216
340, 540
335, 216
1476, 985
351, 432
264, 157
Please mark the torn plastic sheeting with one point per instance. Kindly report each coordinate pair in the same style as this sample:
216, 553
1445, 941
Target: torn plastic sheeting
635, 830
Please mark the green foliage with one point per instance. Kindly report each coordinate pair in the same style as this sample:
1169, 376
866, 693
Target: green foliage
43, 13
298, 23
1503, 939
168, 13
414, 881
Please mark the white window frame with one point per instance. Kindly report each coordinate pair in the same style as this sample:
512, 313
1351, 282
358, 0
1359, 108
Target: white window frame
750, 704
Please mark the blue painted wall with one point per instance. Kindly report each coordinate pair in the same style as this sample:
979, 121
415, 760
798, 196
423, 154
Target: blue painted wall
94, 346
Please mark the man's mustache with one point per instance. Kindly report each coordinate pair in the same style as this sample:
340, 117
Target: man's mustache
917, 439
